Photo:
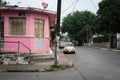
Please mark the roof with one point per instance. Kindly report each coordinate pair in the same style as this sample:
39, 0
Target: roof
27, 8
51, 14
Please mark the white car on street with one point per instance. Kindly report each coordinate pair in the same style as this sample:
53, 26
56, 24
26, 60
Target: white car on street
69, 48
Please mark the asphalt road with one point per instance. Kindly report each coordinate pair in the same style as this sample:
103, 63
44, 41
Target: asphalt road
96, 64
90, 64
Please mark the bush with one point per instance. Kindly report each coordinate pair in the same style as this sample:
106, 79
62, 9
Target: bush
101, 39
58, 67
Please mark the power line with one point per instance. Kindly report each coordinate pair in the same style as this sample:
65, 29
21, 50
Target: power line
69, 6
75, 5
93, 4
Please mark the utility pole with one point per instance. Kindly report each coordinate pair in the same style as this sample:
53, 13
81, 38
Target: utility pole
58, 17
110, 34
57, 30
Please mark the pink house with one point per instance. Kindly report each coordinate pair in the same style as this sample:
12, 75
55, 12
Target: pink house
25, 28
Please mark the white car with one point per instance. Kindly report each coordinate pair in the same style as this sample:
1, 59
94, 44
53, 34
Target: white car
69, 48
62, 44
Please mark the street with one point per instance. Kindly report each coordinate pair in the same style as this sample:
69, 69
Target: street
97, 64
89, 64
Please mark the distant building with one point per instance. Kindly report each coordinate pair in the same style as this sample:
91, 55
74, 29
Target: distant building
25, 27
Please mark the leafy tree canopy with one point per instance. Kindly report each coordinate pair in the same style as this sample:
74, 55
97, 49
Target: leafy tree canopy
109, 15
2, 3
74, 22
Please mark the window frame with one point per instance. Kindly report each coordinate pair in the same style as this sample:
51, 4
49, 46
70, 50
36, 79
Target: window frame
13, 30
39, 33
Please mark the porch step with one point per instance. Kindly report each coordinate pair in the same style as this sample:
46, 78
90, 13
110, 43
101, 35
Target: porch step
36, 58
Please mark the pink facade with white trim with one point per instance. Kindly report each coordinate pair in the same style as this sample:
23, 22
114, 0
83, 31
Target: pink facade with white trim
28, 39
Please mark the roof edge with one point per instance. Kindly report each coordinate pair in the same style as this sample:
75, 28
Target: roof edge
29, 8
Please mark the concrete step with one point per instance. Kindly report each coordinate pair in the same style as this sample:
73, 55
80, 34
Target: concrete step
38, 58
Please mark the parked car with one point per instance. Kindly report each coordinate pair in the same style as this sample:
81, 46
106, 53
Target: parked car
69, 48
62, 44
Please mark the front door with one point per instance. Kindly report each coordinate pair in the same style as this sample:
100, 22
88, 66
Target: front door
1, 32
39, 34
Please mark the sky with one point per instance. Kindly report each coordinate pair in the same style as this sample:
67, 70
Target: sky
67, 6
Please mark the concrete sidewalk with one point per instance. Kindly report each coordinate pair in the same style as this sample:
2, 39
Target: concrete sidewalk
37, 67
110, 49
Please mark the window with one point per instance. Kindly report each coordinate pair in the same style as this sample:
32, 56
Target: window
39, 28
17, 26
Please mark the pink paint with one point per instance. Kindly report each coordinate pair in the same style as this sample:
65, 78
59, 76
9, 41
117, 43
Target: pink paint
27, 39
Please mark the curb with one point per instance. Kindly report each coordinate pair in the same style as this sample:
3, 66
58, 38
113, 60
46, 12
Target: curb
38, 67
22, 68
113, 50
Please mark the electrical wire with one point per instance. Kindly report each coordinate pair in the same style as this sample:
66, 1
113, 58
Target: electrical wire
69, 6
75, 5
93, 4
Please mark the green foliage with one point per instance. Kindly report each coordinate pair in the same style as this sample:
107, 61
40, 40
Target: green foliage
3, 3
101, 39
109, 16
58, 67
86, 31
104, 38
75, 22
52, 34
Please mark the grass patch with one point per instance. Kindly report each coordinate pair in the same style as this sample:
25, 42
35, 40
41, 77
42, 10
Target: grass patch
58, 67
49, 69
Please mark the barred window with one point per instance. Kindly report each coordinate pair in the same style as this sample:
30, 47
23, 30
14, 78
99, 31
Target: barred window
39, 28
17, 26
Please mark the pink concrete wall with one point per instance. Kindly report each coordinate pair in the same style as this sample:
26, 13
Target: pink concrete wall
13, 47
27, 39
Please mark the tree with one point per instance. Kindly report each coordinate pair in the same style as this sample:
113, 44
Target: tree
86, 31
109, 16
3, 3
75, 22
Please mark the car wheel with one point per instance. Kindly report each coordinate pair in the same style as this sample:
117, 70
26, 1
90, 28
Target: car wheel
73, 52
64, 52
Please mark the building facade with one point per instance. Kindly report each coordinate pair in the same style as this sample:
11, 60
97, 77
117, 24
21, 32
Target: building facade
23, 29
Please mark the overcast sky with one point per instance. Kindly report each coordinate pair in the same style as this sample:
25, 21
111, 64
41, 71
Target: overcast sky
68, 6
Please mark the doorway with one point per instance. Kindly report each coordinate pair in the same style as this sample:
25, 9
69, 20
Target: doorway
39, 34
